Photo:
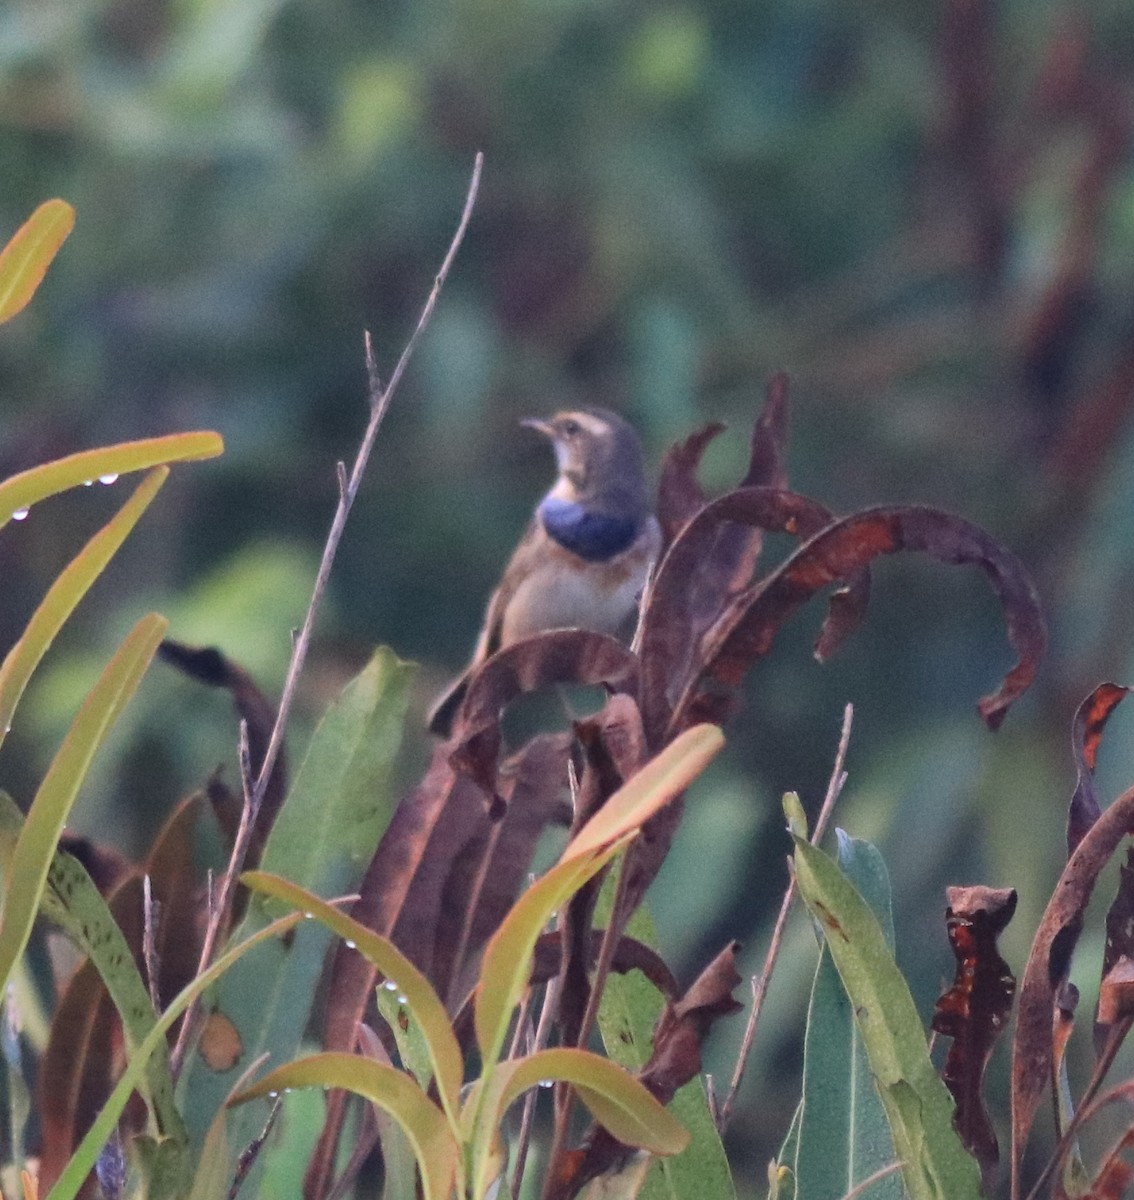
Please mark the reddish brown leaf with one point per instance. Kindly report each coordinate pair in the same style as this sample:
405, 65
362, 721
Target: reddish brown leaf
974, 1010
571, 656
748, 627
767, 459
676, 1058
209, 666
680, 496
1116, 993
1086, 735
1049, 963
688, 596
106, 865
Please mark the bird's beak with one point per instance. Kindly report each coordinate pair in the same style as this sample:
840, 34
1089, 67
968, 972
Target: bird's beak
544, 427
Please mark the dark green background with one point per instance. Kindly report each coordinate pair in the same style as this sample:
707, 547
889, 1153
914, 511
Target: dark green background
924, 211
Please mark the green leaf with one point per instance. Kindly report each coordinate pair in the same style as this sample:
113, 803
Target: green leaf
507, 964
71, 900
615, 1098
21, 491
437, 1033
843, 1135
83, 1160
654, 786
66, 592
35, 848
413, 1047
25, 259
918, 1106
627, 1017
323, 838
426, 1126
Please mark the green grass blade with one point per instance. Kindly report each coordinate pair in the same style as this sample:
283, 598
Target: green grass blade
29, 487
322, 839
393, 1091
71, 901
83, 1160
507, 964
25, 259
432, 1019
918, 1106
32, 857
66, 592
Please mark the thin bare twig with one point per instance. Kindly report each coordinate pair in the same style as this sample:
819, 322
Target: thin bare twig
254, 790
543, 1029
760, 983
862, 1186
151, 911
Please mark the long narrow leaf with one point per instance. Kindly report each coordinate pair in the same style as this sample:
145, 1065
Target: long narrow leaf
66, 592
35, 848
507, 964
83, 1160
918, 1106
72, 901
443, 1049
29, 487
393, 1091
25, 259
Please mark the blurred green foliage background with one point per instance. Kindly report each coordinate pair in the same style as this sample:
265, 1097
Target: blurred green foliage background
923, 210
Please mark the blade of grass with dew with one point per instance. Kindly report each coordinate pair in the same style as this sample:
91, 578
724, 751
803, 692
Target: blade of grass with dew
324, 836
445, 1061
29, 252
393, 1091
20, 492
918, 1106
68, 589
83, 1160
35, 848
71, 901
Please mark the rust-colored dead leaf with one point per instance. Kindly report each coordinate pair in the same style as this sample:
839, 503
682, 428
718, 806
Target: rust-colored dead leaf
1086, 735
973, 1012
1049, 963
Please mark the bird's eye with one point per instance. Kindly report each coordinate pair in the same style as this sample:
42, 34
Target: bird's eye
570, 428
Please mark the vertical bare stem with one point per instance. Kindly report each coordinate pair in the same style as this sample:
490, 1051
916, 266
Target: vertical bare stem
254, 789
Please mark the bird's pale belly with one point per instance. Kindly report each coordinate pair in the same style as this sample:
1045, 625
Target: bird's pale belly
559, 596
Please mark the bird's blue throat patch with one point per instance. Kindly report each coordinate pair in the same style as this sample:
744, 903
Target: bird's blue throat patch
591, 535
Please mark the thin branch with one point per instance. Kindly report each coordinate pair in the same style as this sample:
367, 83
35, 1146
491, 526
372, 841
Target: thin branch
151, 911
543, 1029
862, 1186
760, 983
254, 790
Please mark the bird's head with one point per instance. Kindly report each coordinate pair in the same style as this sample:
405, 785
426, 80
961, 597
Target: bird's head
599, 457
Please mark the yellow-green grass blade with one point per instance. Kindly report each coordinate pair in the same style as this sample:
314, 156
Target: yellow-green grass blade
65, 593
21, 491
653, 787
433, 1021
36, 846
83, 1160
393, 1091
25, 259
507, 964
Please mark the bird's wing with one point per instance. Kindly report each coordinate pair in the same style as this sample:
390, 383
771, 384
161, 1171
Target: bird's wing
491, 631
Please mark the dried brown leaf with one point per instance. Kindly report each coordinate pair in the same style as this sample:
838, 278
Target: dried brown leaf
1086, 736
974, 1010
748, 627
1049, 963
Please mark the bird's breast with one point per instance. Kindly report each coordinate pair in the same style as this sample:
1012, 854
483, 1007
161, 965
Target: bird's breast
565, 591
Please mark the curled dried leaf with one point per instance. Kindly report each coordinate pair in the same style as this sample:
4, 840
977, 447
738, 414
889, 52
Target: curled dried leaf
1086, 736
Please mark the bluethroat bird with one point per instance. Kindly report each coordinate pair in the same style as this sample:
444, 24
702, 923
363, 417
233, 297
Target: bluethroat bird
584, 558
